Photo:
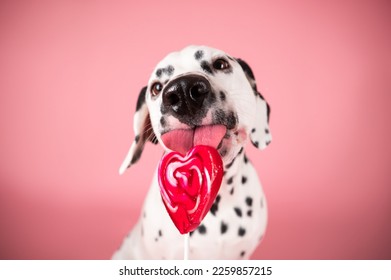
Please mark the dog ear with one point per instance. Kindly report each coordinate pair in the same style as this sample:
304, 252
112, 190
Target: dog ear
260, 134
142, 130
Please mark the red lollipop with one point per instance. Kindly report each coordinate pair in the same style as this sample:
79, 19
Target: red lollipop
189, 185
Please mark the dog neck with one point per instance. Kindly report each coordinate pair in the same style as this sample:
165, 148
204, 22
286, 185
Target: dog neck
233, 170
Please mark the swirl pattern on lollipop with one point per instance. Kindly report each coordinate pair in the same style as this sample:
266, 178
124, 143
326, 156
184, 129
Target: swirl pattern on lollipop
189, 185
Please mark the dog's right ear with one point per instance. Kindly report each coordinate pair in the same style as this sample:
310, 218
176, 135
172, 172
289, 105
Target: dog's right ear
142, 130
260, 134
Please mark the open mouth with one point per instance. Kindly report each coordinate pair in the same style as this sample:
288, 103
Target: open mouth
182, 140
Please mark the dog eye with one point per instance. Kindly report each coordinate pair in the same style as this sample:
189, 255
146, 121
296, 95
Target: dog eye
221, 64
156, 88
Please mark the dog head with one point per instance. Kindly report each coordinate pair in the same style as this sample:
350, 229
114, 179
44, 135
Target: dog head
200, 95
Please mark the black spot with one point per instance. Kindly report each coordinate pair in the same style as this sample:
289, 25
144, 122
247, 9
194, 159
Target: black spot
230, 180
202, 229
206, 67
163, 121
230, 164
267, 131
244, 179
154, 139
242, 253
249, 213
267, 143
241, 151
249, 201
213, 209
238, 211
246, 68
220, 145
169, 70
219, 116
137, 138
268, 112
198, 54
231, 120
136, 156
253, 130
249, 73
160, 233
223, 152
245, 159
156, 239
241, 231
191, 233
256, 144
222, 96
141, 98
259, 95
215, 205
223, 227
232, 191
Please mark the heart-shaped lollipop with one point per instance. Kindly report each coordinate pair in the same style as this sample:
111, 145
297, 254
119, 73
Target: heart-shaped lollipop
189, 185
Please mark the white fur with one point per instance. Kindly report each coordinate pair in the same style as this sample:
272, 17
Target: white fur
230, 233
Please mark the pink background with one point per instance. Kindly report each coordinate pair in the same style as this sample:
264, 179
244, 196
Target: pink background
70, 73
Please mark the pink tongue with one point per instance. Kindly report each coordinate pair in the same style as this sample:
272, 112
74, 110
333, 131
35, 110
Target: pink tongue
182, 140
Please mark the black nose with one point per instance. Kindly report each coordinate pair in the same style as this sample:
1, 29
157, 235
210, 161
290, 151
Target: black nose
186, 95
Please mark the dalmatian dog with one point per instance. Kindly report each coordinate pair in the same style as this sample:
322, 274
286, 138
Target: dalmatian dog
201, 95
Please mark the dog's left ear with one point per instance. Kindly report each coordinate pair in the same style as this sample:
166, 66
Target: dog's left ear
142, 130
260, 134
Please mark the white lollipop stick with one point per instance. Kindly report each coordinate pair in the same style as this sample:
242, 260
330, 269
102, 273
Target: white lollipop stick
186, 247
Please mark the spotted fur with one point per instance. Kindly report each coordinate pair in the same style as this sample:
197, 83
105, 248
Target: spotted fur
237, 219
